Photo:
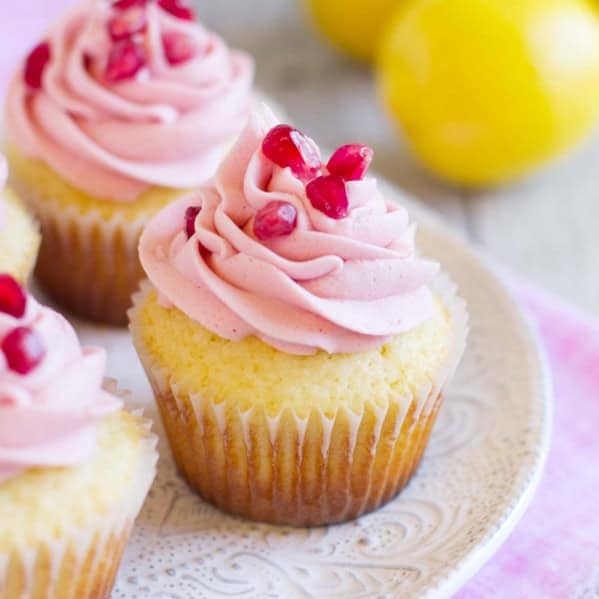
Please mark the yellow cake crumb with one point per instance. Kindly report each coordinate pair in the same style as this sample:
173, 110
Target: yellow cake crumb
251, 373
44, 503
19, 238
37, 178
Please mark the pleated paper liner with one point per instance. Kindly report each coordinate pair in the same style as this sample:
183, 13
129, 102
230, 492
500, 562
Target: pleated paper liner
87, 263
81, 563
301, 472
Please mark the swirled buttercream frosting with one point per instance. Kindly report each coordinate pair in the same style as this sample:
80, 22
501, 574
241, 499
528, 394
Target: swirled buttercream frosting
303, 255
51, 395
123, 96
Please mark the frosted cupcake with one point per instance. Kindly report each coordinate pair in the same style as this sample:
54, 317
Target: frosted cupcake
74, 466
297, 346
122, 107
19, 237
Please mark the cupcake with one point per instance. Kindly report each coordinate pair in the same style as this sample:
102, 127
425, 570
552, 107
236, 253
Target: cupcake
297, 346
123, 107
19, 237
74, 466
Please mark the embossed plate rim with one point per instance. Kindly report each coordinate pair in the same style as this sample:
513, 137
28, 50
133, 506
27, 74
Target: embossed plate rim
495, 537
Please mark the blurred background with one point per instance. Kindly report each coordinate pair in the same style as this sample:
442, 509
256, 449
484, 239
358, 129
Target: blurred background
526, 71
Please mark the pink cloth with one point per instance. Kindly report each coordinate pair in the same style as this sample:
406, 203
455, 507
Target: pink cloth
554, 551
22, 24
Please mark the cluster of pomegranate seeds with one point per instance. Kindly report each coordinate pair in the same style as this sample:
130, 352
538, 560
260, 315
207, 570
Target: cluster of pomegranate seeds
178, 47
275, 220
23, 348
351, 162
125, 60
13, 300
288, 147
179, 8
35, 65
190, 220
325, 186
327, 193
127, 23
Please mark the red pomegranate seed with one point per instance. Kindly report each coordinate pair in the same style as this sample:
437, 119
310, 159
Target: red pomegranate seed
127, 23
23, 349
88, 60
351, 162
178, 8
190, 220
35, 64
328, 194
124, 61
13, 300
275, 220
288, 147
126, 4
178, 47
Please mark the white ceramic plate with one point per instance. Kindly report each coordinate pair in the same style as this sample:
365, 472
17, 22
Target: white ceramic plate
479, 472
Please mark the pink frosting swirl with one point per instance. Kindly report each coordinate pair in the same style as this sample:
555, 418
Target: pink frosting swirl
335, 285
170, 125
49, 416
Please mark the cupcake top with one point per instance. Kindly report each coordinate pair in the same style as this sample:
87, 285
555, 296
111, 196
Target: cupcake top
51, 395
123, 95
303, 255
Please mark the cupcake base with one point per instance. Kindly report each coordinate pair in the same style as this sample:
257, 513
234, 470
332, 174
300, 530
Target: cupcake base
88, 265
310, 472
88, 261
285, 466
76, 554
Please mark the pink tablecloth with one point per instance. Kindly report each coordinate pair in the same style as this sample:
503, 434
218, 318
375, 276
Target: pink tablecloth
554, 551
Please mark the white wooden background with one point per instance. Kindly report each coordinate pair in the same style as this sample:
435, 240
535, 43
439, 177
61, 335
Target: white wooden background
545, 228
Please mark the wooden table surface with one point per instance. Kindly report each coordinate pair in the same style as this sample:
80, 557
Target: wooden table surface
545, 228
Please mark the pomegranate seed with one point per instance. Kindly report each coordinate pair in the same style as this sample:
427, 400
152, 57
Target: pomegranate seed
288, 147
126, 4
87, 61
328, 194
351, 162
35, 65
23, 349
178, 47
127, 23
275, 220
190, 220
178, 8
13, 300
124, 61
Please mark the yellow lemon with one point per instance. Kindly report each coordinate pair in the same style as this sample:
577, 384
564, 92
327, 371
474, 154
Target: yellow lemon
353, 25
485, 90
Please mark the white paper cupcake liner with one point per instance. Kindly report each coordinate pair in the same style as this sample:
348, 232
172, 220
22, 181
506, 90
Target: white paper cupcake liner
294, 471
86, 263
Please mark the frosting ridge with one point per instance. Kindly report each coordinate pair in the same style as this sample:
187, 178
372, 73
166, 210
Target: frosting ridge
168, 125
339, 285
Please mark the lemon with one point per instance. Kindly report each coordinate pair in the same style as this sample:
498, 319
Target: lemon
354, 26
485, 90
